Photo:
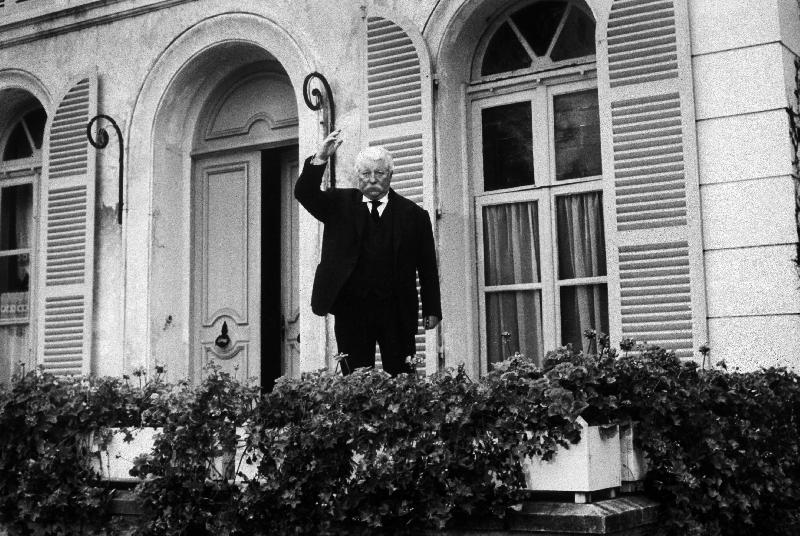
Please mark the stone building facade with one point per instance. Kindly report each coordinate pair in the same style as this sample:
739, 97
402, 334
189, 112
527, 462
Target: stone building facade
622, 165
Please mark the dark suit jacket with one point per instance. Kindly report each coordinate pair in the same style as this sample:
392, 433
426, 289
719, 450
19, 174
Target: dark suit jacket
342, 212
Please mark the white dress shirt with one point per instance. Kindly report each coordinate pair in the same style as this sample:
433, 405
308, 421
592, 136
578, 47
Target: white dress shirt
384, 201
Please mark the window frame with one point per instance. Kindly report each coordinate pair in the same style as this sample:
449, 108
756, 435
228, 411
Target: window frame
542, 199
544, 191
549, 66
18, 172
35, 160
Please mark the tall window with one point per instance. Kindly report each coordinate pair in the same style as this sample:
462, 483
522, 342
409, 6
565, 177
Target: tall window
20, 165
537, 181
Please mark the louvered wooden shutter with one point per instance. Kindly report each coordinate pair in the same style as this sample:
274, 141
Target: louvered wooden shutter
646, 91
67, 235
399, 117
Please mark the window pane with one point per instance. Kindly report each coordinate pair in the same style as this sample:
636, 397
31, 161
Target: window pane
18, 145
538, 23
576, 38
16, 217
582, 307
507, 146
504, 53
16, 343
14, 285
577, 135
511, 244
519, 314
36, 121
581, 235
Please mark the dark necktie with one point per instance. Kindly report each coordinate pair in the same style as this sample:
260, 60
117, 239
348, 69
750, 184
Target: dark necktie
376, 216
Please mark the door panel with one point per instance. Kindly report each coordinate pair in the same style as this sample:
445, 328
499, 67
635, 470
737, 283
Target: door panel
290, 247
227, 263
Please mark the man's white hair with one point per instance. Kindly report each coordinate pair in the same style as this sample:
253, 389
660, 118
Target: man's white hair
377, 152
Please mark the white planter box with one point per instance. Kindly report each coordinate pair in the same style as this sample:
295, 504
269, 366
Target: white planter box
632, 460
243, 469
229, 465
592, 464
115, 460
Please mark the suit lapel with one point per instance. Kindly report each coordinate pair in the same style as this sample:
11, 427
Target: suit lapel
358, 214
397, 215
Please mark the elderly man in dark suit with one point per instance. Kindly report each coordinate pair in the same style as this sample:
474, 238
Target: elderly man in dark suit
374, 244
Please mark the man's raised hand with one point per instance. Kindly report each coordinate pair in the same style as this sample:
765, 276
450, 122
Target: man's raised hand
329, 145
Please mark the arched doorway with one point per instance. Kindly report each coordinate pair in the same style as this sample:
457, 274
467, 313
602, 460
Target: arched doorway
245, 310
159, 255
227, 107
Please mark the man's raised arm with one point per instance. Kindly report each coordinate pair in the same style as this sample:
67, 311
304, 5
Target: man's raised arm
307, 191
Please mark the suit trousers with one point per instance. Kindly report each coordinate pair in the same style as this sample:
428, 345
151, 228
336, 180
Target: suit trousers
360, 324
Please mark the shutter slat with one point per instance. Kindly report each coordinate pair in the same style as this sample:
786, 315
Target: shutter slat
416, 93
645, 321
627, 11
399, 63
628, 27
407, 74
661, 178
662, 140
627, 50
657, 50
644, 60
661, 308
647, 14
399, 120
655, 300
410, 80
392, 91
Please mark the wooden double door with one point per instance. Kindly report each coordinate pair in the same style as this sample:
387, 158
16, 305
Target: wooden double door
245, 251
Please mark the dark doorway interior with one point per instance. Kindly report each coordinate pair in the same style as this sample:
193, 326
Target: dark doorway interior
271, 332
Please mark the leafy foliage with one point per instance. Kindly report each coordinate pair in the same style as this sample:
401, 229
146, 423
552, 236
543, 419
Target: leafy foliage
367, 452
372, 454
45, 477
187, 485
359, 454
723, 447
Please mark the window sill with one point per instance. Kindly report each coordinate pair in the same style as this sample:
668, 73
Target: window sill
14, 321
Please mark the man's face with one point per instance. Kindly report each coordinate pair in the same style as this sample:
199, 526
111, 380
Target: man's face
374, 178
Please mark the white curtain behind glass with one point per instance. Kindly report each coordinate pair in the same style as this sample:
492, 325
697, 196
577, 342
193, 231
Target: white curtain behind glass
512, 257
581, 253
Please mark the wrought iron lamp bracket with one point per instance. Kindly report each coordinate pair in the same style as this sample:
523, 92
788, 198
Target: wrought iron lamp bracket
102, 143
315, 100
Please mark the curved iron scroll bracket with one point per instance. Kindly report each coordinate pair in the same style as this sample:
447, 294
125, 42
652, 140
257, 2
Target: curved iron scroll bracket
101, 143
319, 103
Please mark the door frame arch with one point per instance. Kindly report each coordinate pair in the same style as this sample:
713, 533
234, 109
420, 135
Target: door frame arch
165, 111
